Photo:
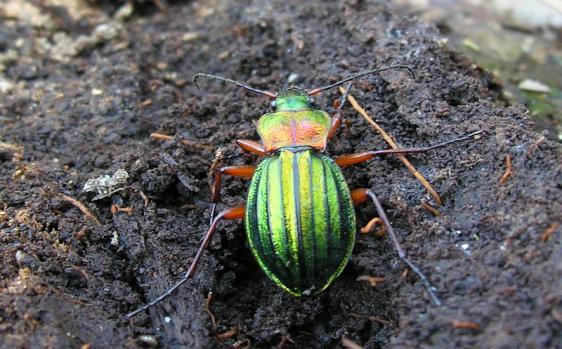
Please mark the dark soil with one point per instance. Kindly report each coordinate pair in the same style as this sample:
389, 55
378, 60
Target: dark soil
73, 115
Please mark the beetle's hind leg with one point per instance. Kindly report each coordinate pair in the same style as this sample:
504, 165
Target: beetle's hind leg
361, 195
228, 214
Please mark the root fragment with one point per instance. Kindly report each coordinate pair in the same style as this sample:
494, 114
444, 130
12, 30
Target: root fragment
208, 310
371, 224
284, 340
221, 337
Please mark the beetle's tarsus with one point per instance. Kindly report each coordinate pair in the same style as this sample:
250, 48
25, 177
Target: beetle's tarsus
195, 77
159, 299
231, 213
401, 253
213, 209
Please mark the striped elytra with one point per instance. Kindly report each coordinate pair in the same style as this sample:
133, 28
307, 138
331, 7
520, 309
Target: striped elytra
300, 220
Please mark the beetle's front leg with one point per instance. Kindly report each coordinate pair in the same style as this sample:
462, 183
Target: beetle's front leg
336, 120
252, 147
360, 196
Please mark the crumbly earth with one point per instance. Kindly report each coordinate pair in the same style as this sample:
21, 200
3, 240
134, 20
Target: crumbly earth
84, 87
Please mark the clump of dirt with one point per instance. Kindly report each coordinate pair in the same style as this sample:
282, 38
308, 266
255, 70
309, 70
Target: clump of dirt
82, 96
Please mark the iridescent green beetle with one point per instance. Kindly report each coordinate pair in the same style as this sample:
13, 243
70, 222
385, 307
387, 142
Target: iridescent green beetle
299, 215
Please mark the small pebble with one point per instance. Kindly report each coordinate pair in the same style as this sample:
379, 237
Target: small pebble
533, 86
125, 11
292, 78
190, 36
20, 256
115, 239
6, 85
148, 340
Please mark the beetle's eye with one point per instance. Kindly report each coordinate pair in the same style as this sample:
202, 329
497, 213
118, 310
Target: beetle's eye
273, 103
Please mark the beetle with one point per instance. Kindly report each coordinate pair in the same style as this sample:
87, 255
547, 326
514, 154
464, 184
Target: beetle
299, 215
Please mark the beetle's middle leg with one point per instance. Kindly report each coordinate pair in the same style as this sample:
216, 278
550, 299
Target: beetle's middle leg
353, 159
235, 171
360, 196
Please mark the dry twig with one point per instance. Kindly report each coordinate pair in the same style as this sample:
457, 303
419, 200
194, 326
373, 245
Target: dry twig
430, 209
349, 344
508, 170
89, 215
163, 137
372, 280
549, 232
470, 325
535, 145
393, 144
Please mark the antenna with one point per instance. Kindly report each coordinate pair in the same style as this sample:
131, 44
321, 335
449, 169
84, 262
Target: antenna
234, 82
358, 75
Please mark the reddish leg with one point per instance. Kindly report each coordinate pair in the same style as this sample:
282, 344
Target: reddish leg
361, 195
236, 171
229, 214
252, 147
336, 120
353, 159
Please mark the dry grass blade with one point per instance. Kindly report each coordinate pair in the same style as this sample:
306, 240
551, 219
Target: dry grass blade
393, 144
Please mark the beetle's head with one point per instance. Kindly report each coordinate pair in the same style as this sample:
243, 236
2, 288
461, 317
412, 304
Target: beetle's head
293, 98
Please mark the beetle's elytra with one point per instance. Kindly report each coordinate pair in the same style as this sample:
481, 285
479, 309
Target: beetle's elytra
300, 220
299, 215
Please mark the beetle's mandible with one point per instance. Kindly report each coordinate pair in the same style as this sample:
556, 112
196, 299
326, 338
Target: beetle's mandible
299, 215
